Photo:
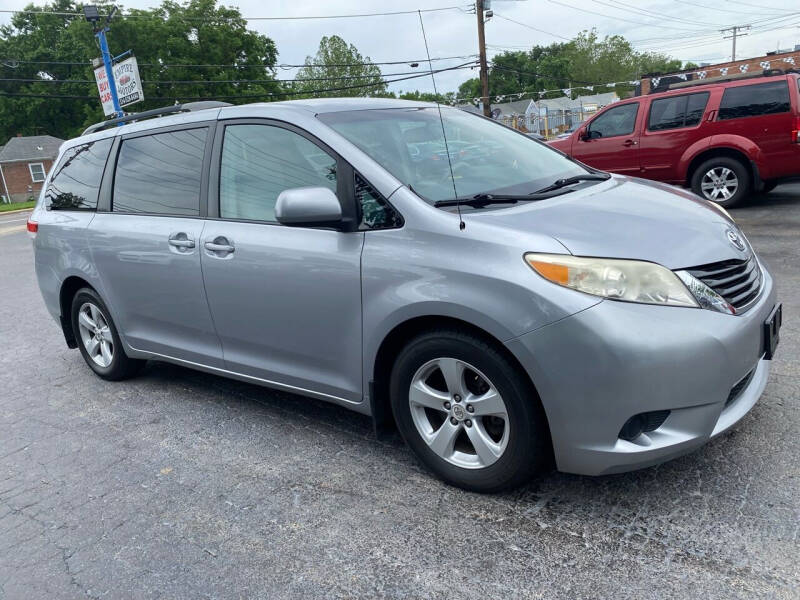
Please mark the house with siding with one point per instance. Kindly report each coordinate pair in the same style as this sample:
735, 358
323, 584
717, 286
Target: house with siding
24, 164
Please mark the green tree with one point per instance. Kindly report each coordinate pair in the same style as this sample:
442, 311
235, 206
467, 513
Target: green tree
339, 67
165, 40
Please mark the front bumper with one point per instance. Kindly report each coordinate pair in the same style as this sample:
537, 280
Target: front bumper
599, 367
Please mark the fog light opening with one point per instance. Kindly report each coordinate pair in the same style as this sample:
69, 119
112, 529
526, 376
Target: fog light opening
642, 423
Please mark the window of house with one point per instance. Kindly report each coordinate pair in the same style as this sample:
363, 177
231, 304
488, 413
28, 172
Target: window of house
754, 100
261, 161
376, 213
619, 120
677, 111
76, 179
160, 173
37, 172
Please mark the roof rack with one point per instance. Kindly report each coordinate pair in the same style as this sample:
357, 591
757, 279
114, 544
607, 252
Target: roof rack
721, 79
156, 112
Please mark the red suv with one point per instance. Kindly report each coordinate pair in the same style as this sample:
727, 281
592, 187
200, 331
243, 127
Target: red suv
722, 138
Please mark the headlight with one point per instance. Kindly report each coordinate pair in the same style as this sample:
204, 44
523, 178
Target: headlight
706, 297
627, 280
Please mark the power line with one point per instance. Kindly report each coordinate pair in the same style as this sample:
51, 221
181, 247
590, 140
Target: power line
297, 18
644, 12
586, 10
239, 96
499, 16
239, 66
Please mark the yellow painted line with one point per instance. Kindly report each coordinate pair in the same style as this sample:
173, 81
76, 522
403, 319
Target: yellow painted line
9, 230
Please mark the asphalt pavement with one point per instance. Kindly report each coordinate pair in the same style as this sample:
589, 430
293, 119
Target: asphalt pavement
180, 484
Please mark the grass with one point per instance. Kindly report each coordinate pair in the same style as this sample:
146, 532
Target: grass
5, 207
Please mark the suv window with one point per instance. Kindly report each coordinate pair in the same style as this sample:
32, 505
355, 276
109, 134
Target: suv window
76, 180
754, 100
677, 111
160, 173
619, 120
261, 161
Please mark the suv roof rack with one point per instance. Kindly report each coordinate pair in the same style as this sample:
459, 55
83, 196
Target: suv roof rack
156, 112
721, 79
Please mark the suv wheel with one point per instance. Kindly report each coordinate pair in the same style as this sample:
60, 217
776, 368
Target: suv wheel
723, 180
98, 339
468, 415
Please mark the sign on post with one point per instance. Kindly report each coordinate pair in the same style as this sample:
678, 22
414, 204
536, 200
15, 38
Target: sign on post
129, 85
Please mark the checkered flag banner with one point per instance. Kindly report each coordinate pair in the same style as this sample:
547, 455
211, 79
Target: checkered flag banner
723, 71
701, 74
789, 59
655, 81
764, 64
744, 68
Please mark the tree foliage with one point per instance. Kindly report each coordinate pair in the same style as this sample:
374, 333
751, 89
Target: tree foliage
339, 67
196, 32
585, 60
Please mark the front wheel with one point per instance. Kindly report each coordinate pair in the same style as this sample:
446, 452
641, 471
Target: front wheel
468, 414
723, 180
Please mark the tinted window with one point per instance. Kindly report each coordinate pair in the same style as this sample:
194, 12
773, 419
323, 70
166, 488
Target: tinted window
753, 100
376, 213
261, 161
677, 111
615, 121
76, 180
160, 173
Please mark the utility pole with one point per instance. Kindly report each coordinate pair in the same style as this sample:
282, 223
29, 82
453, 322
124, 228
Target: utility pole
735, 31
487, 109
93, 16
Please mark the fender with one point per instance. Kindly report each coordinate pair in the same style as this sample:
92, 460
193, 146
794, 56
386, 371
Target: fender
726, 141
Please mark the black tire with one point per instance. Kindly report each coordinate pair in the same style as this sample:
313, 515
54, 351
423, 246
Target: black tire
724, 162
121, 366
528, 450
769, 186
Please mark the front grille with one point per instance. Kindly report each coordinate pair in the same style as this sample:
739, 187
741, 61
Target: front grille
737, 390
738, 281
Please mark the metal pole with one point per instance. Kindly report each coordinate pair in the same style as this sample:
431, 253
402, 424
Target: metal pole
487, 109
112, 84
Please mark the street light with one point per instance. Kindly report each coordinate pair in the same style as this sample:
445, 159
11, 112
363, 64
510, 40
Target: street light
91, 13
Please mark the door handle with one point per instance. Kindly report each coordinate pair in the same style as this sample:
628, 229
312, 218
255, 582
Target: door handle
182, 243
630, 143
219, 244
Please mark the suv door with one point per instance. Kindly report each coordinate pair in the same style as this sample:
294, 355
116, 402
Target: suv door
611, 140
673, 124
145, 243
286, 301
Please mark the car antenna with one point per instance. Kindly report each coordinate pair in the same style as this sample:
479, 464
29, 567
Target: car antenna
461, 224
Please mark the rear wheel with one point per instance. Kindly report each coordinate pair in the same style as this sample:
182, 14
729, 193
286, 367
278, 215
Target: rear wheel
98, 339
468, 414
723, 180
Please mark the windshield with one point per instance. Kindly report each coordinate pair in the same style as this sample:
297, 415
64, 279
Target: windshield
486, 157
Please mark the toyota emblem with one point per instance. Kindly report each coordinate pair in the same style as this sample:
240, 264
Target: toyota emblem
735, 239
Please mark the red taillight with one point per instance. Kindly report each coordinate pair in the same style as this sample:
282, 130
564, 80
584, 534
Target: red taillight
33, 226
796, 130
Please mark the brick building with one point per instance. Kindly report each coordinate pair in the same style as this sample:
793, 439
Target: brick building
773, 60
24, 163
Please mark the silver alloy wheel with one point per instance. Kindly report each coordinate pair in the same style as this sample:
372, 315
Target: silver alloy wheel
719, 183
95, 334
448, 396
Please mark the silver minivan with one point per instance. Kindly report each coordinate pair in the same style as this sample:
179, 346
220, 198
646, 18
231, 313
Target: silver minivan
503, 306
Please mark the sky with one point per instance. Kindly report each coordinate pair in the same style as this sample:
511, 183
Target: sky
684, 29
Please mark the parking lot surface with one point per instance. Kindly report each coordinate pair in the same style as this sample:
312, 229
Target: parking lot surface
179, 484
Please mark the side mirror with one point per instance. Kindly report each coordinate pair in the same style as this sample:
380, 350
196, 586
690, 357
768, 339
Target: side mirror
308, 207
584, 134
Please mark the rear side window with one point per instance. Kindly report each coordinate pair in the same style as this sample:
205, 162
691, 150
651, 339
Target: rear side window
76, 180
619, 120
261, 161
677, 111
161, 173
754, 100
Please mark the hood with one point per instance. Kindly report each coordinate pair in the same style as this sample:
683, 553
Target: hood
629, 218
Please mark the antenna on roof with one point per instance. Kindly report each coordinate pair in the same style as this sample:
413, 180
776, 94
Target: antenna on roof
461, 224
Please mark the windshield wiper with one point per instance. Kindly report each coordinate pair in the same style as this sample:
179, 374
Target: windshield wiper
560, 183
481, 200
